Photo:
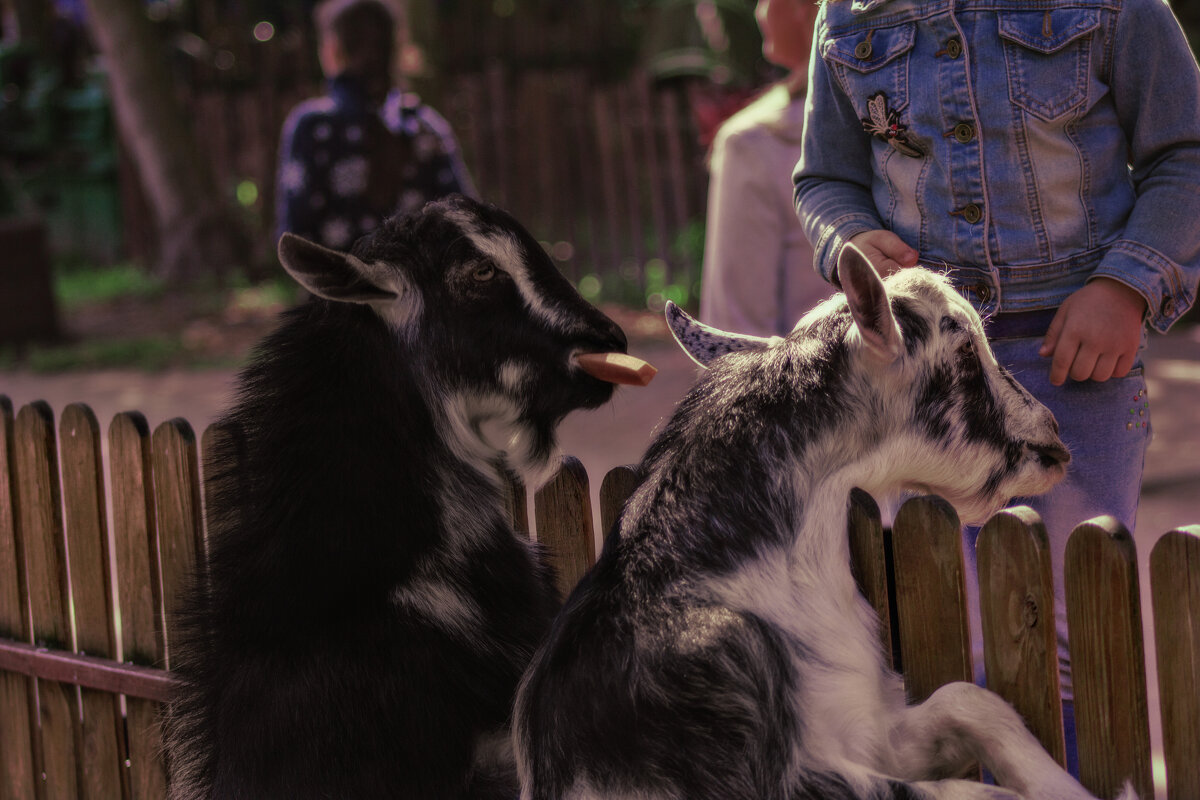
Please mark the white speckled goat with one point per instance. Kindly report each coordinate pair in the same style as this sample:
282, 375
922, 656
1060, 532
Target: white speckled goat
719, 648
368, 611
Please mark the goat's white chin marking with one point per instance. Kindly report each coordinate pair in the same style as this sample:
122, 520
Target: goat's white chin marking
486, 428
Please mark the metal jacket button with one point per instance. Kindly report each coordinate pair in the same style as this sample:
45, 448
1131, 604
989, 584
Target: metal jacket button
953, 48
862, 50
1168, 307
964, 132
982, 292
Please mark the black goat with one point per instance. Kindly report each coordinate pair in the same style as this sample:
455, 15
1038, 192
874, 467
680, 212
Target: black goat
367, 611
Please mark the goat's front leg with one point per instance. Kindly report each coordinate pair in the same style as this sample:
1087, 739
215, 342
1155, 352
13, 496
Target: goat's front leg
961, 723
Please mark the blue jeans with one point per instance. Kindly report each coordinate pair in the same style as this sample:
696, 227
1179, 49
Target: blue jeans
1106, 426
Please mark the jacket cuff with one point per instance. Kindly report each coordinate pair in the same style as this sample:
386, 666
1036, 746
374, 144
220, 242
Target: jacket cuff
1152, 275
835, 237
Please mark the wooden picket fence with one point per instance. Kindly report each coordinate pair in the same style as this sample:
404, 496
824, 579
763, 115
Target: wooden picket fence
85, 604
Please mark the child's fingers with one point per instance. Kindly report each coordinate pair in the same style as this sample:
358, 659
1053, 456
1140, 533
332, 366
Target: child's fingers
1106, 367
895, 249
1085, 364
1050, 343
886, 251
1064, 358
890, 263
1124, 364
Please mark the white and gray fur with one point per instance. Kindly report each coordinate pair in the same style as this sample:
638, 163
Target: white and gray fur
367, 610
719, 648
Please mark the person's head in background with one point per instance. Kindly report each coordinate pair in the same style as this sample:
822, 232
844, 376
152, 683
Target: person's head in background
359, 39
787, 31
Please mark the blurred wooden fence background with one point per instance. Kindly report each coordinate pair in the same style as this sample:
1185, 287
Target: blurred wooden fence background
609, 176
558, 123
91, 558
613, 171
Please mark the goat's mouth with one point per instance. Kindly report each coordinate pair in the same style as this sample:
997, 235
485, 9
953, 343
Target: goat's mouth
620, 368
1053, 456
1043, 466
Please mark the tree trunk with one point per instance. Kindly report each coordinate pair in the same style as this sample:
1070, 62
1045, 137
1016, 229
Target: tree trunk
197, 232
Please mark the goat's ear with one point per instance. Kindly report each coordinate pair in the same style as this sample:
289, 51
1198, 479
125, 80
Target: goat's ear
704, 342
869, 305
331, 274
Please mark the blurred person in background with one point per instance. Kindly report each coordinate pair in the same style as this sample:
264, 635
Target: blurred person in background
366, 149
758, 275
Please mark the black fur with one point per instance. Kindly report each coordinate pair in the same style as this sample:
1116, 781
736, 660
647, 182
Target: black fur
916, 329
302, 676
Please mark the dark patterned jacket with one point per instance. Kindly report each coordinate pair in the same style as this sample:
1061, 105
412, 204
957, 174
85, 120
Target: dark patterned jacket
344, 165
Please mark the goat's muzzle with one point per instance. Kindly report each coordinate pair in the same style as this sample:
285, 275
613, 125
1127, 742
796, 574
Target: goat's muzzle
1051, 455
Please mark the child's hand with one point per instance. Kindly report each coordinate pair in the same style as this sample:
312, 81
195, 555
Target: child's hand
1095, 333
886, 251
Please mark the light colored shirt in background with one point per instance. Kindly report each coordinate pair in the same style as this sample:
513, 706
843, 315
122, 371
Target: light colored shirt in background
758, 266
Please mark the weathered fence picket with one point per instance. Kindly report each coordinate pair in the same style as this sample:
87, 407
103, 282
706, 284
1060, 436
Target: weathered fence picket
1175, 589
1108, 663
869, 557
138, 592
16, 690
39, 531
615, 489
563, 515
176, 470
85, 635
84, 502
1016, 601
935, 646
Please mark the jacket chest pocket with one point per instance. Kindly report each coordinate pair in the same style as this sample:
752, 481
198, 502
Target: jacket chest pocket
1046, 54
870, 61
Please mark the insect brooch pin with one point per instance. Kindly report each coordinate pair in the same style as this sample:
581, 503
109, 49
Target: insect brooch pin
884, 123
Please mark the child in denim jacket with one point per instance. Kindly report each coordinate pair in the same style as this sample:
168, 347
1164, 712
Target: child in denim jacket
1046, 156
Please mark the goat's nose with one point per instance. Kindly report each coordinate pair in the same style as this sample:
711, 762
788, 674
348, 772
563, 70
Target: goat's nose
1051, 454
621, 340
613, 338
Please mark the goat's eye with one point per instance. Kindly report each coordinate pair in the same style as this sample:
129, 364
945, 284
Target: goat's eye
484, 272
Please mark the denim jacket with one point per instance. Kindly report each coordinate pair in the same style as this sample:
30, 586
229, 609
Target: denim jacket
1023, 146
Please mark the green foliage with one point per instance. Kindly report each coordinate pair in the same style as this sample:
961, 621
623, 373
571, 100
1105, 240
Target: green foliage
168, 340
149, 353
264, 296
653, 282
717, 40
77, 284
